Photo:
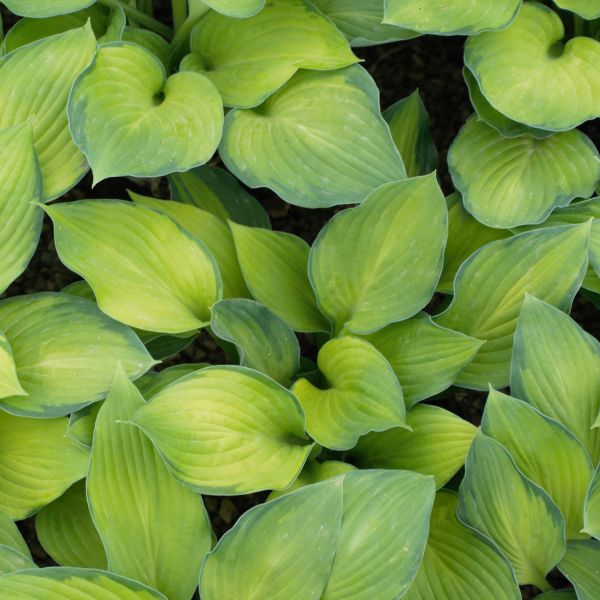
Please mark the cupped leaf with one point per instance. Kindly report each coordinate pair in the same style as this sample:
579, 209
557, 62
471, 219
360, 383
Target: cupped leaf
240, 9
45, 8
149, 40
588, 9
510, 182
275, 267
581, 566
66, 531
362, 394
143, 268
249, 59
9, 380
82, 423
11, 537
380, 262
281, 550
591, 515
152, 382
437, 445
11, 560
128, 119
459, 562
227, 430
318, 141
496, 499
528, 74
490, 287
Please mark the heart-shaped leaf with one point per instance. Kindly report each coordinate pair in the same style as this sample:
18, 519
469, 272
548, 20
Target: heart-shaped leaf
45, 8
318, 141
380, 262
240, 9
591, 515
588, 9
129, 120
581, 567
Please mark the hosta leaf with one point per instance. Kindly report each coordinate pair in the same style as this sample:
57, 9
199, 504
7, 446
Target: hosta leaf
425, 357
82, 422
9, 380
591, 515
137, 506
128, 119
45, 8
556, 368
451, 18
528, 74
37, 463
588, 9
275, 267
361, 394
437, 445
581, 566
380, 262
249, 59
11, 537
34, 84
264, 341
318, 141
281, 550
149, 40
227, 430
511, 182
66, 531
545, 452
11, 560
499, 501
490, 287
383, 534
459, 562
409, 123
120, 249
151, 382
65, 351
240, 9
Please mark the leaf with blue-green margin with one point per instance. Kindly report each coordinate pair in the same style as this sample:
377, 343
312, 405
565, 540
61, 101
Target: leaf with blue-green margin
545, 451
45, 8
465, 235
66, 531
11, 537
68, 583
581, 566
240, 9
153, 382
530, 75
437, 445
380, 262
588, 9
591, 513
37, 463
83, 421
491, 285
465, 17
264, 341
459, 562
121, 250
507, 182
556, 368
227, 430
137, 505
281, 550
361, 22
11, 560
275, 267
9, 380
410, 126
361, 394
128, 118
149, 40
425, 356
34, 85
319, 141
496, 499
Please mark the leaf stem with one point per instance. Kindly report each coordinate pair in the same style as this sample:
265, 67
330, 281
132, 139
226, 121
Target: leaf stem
146, 6
141, 17
180, 13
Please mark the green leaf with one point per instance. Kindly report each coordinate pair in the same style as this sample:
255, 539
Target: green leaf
9, 380
45, 8
227, 430
499, 501
380, 262
437, 445
149, 40
410, 127
275, 267
10, 536
318, 141
35, 81
11, 560
490, 287
530, 75
451, 18
121, 250
459, 562
281, 550
249, 59
263, 340
240, 9
129, 119
556, 368
361, 394
114, 26
581, 566
510, 182
558, 595
137, 506
37, 463
425, 357
544, 451
588, 9
82, 423
591, 515
66, 531
65, 351
151, 382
